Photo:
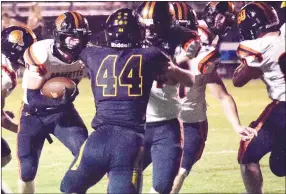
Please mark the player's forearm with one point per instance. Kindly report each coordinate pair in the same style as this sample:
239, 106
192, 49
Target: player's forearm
8, 123
230, 110
183, 76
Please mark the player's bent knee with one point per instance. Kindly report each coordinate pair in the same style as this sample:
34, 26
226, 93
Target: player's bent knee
28, 171
5, 160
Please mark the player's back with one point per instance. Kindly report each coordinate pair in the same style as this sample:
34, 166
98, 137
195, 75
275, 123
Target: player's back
121, 82
264, 53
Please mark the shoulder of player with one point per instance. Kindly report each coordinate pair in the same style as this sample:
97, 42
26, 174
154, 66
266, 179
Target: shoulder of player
37, 53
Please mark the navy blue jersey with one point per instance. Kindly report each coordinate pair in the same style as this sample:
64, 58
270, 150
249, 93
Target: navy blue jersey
121, 81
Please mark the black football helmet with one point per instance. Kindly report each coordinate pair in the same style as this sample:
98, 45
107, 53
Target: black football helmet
123, 29
15, 40
219, 16
71, 35
185, 16
156, 17
256, 18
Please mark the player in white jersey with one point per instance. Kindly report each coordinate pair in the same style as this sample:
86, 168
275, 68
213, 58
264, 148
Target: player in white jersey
262, 53
163, 134
40, 115
193, 112
14, 41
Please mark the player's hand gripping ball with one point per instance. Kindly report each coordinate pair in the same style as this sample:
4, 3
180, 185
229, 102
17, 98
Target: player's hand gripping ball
58, 86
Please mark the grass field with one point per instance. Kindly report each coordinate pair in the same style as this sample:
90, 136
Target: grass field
216, 172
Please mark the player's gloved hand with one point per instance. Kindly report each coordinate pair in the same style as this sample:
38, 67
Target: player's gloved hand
10, 114
69, 95
246, 133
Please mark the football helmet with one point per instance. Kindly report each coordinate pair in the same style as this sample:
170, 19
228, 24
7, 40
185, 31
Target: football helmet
156, 17
123, 29
256, 18
219, 16
71, 35
185, 16
15, 40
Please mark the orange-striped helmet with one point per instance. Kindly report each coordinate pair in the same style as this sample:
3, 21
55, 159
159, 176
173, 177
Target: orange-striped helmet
185, 15
156, 17
219, 16
72, 33
15, 40
255, 19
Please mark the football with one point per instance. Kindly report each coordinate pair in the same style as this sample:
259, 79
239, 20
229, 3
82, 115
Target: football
54, 87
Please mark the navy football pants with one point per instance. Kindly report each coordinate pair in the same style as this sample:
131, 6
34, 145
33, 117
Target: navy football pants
195, 135
163, 147
66, 125
271, 138
110, 149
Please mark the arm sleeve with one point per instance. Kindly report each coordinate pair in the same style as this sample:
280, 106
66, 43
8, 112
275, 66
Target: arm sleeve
249, 56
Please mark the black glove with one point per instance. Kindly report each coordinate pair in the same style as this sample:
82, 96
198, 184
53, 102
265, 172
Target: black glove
69, 95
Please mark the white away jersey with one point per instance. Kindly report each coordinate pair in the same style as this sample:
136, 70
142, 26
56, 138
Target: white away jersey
8, 75
194, 103
164, 103
40, 61
264, 54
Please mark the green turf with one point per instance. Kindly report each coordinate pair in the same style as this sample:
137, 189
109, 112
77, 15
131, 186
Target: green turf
216, 172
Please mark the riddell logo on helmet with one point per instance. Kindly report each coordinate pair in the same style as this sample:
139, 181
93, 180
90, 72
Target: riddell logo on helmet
120, 45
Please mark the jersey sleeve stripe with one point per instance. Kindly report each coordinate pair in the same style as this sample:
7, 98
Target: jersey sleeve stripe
210, 57
244, 51
185, 10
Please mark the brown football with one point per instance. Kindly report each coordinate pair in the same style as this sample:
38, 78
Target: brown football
54, 87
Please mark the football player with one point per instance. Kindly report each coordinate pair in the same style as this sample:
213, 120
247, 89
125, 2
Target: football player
193, 112
163, 130
14, 41
262, 53
40, 115
121, 76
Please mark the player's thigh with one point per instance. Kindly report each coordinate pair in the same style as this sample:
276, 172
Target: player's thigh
5, 153
30, 136
252, 151
166, 155
195, 135
89, 166
71, 131
126, 152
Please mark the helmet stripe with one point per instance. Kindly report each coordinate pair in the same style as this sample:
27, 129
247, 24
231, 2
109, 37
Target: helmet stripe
268, 16
180, 15
151, 10
185, 10
146, 10
231, 6
80, 18
30, 32
75, 19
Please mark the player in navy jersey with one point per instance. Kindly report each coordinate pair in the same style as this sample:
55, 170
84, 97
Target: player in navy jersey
121, 77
